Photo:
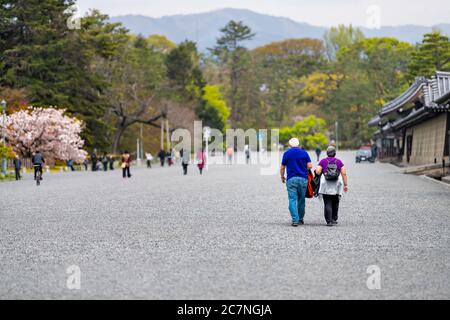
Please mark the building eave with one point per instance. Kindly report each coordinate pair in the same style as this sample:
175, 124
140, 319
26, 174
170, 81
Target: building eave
414, 117
443, 99
410, 95
375, 121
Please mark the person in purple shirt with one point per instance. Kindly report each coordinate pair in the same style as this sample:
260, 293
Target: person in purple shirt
297, 162
331, 189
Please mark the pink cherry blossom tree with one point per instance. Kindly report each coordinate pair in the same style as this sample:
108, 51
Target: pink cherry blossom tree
48, 130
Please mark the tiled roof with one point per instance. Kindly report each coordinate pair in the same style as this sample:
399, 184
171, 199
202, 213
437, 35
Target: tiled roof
437, 92
414, 115
409, 95
444, 98
433, 94
375, 121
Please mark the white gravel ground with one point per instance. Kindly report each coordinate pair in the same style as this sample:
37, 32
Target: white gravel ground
224, 235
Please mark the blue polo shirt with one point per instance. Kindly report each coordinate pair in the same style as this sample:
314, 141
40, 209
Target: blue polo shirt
296, 161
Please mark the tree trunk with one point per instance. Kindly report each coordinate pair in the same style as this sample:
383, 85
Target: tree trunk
168, 135
162, 133
234, 89
116, 138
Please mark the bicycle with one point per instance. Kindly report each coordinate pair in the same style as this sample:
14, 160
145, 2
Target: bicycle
38, 169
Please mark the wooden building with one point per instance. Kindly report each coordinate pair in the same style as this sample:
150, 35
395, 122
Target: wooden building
414, 128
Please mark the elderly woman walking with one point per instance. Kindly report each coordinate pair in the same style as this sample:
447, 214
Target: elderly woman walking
333, 182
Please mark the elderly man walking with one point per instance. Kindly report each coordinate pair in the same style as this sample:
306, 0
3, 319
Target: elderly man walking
297, 162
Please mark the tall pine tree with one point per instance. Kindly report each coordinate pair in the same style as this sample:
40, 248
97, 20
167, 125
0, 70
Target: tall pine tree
53, 63
230, 51
432, 55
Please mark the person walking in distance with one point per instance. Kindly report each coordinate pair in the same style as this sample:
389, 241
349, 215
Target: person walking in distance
201, 160
333, 182
162, 157
69, 165
169, 158
17, 167
247, 154
126, 164
318, 152
185, 159
105, 161
94, 160
149, 158
230, 153
85, 164
111, 162
297, 163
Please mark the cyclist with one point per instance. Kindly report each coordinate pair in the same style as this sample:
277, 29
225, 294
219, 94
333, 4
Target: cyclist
38, 161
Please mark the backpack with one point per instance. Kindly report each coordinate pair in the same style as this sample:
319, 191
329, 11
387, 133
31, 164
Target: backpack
332, 172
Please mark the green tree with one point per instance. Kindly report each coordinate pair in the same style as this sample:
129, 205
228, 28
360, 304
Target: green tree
311, 132
137, 82
230, 52
384, 60
280, 63
341, 37
183, 72
364, 76
40, 54
160, 43
213, 110
432, 55
6, 151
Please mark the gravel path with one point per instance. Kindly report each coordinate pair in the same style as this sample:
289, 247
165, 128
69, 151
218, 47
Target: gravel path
224, 235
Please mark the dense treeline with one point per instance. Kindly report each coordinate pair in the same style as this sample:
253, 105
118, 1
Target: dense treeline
343, 78
114, 80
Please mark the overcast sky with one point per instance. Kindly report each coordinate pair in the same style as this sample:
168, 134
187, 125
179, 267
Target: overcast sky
316, 12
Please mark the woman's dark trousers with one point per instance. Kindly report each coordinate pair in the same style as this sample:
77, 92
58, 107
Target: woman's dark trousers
126, 172
18, 177
331, 203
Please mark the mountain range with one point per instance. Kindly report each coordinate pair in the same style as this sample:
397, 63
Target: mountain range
203, 28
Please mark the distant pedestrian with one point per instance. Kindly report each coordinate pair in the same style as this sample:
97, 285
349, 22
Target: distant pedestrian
374, 151
17, 167
169, 158
318, 153
247, 154
85, 164
126, 164
173, 156
105, 161
201, 160
111, 162
69, 164
230, 153
162, 157
94, 161
149, 158
333, 181
298, 163
185, 159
